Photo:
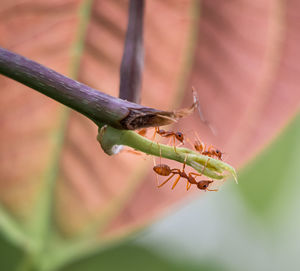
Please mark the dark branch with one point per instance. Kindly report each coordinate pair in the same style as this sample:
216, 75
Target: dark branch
97, 106
133, 56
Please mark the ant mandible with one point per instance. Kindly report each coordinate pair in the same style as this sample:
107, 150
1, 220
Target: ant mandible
165, 170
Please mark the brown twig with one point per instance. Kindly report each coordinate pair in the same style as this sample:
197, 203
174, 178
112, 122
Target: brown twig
133, 55
97, 106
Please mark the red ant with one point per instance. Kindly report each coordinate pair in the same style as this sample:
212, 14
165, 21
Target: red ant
175, 135
165, 170
211, 151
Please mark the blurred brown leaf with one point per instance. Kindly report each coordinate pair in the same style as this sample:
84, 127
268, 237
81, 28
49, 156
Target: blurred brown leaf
245, 62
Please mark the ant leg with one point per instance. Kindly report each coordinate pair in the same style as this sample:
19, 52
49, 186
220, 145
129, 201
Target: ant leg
184, 163
155, 174
195, 174
159, 152
205, 165
188, 185
154, 163
210, 147
201, 143
155, 132
153, 137
172, 137
176, 181
174, 143
190, 142
180, 144
203, 146
166, 180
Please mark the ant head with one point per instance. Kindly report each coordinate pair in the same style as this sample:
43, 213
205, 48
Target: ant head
179, 136
218, 153
203, 185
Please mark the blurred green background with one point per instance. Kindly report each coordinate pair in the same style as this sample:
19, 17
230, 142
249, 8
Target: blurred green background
254, 225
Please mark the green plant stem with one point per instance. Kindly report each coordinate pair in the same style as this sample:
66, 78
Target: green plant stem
111, 139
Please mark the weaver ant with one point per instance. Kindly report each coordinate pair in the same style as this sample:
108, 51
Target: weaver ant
211, 151
165, 170
170, 134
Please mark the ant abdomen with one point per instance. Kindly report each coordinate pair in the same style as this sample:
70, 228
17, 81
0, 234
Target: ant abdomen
162, 169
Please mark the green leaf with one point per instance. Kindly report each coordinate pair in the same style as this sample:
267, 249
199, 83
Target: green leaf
10, 256
135, 258
270, 179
